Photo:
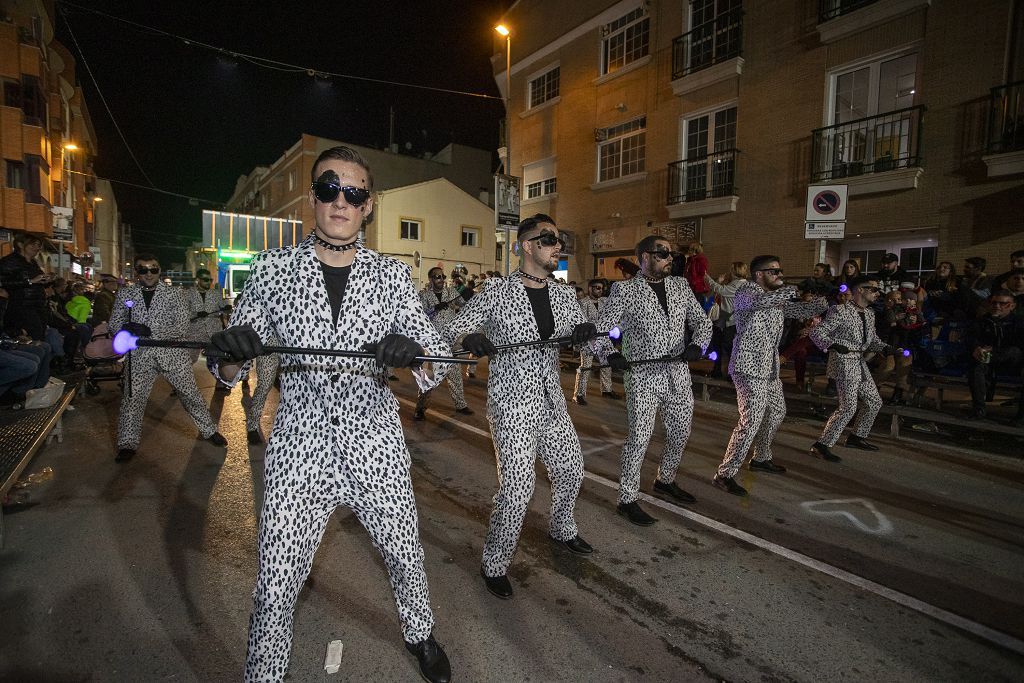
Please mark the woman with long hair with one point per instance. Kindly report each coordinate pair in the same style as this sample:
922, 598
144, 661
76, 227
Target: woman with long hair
941, 291
724, 332
850, 270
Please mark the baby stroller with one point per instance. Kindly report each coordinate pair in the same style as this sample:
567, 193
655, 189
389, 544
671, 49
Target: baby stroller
101, 363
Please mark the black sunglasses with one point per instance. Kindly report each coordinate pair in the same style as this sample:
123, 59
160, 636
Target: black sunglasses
205, 279
327, 192
770, 271
663, 254
142, 270
547, 239
439, 276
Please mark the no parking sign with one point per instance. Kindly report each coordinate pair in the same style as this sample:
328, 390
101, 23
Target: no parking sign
826, 212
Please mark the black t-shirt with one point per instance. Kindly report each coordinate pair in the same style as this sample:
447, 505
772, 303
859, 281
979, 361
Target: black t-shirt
147, 296
659, 291
540, 302
335, 279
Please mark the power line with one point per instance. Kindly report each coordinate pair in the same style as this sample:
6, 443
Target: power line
274, 64
151, 188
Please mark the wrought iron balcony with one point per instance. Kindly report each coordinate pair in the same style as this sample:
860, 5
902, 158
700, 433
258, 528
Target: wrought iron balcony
710, 43
705, 177
830, 9
870, 145
1006, 119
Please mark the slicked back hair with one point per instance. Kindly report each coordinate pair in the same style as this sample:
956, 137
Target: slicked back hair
145, 256
759, 262
528, 224
647, 244
343, 153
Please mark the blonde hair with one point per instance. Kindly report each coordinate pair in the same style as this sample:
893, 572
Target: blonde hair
697, 247
740, 269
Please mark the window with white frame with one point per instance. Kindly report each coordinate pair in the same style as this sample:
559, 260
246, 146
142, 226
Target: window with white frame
880, 87
544, 87
625, 40
470, 236
622, 150
709, 155
410, 229
539, 178
541, 188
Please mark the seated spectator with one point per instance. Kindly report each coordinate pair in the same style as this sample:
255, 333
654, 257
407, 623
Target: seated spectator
24, 364
821, 281
78, 306
1016, 262
891, 276
797, 345
62, 334
942, 296
724, 331
1015, 286
997, 348
626, 267
849, 271
976, 284
24, 280
103, 301
905, 327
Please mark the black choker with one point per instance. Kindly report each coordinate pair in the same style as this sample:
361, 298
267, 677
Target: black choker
652, 279
542, 280
335, 247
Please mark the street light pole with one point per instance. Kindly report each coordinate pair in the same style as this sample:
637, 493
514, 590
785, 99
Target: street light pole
503, 30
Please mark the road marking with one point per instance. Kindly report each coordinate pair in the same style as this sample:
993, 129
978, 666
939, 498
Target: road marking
980, 630
882, 524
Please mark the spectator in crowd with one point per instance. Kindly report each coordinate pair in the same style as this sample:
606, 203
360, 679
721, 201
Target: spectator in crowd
890, 277
25, 281
821, 281
942, 296
849, 271
976, 284
1015, 286
103, 302
724, 331
627, 268
797, 344
1016, 261
62, 333
997, 340
78, 306
24, 364
696, 269
905, 325
679, 261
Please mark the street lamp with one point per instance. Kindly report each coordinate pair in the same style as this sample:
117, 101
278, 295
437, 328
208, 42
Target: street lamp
504, 31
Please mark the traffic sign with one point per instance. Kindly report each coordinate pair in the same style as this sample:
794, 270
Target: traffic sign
825, 231
826, 203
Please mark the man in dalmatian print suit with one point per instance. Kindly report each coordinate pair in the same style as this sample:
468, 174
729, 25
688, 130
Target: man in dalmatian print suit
266, 375
205, 307
441, 304
654, 310
847, 333
760, 308
158, 311
337, 439
591, 305
525, 403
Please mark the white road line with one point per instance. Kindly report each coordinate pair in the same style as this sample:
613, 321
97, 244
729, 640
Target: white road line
998, 637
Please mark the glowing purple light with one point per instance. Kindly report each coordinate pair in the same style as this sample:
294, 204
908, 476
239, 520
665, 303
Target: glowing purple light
906, 353
843, 288
125, 341
615, 333
129, 303
713, 355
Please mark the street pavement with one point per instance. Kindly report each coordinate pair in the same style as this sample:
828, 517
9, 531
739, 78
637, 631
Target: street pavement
899, 565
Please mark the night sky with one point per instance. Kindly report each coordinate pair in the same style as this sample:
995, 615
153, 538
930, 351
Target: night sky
196, 120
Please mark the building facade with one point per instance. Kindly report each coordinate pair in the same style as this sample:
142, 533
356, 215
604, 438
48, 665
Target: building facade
712, 118
47, 140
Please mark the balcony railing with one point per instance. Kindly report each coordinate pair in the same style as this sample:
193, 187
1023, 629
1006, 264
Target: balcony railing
1006, 119
710, 43
869, 145
705, 177
830, 9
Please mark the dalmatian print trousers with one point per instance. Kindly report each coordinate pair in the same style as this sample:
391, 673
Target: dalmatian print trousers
642, 405
849, 391
454, 379
266, 373
762, 408
516, 448
583, 375
175, 367
291, 527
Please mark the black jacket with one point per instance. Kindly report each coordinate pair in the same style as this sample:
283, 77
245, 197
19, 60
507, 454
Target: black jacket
15, 273
999, 333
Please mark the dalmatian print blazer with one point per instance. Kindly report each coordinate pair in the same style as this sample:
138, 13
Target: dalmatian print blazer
520, 381
760, 319
648, 333
589, 307
842, 325
335, 405
429, 299
213, 302
166, 316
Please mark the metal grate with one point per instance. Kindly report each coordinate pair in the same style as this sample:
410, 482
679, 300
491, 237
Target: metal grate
22, 432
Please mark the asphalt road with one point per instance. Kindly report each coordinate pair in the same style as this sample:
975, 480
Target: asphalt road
900, 565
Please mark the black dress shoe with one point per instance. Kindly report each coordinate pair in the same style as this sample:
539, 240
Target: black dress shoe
820, 449
611, 395
434, 665
223, 388
579, 400
254, 437
499, 586
419, 415
673, 491
464, 410
576, 545
729, 485
634, 513
854, 441
217, 439
124, 455
766, 466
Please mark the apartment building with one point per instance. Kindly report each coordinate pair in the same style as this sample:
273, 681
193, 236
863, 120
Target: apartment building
711, 118
47, 140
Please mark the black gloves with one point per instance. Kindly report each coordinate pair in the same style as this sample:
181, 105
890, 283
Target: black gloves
839, 348
441, 305
693, 352
202, 314
137, 329
395, 350
226, 310
478, 345
618, 362
239, 343
583, 333
888, 350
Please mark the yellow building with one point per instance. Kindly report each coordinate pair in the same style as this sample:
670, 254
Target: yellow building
711, 118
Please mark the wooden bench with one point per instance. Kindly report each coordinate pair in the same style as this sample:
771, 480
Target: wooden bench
921, 382
22, 434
